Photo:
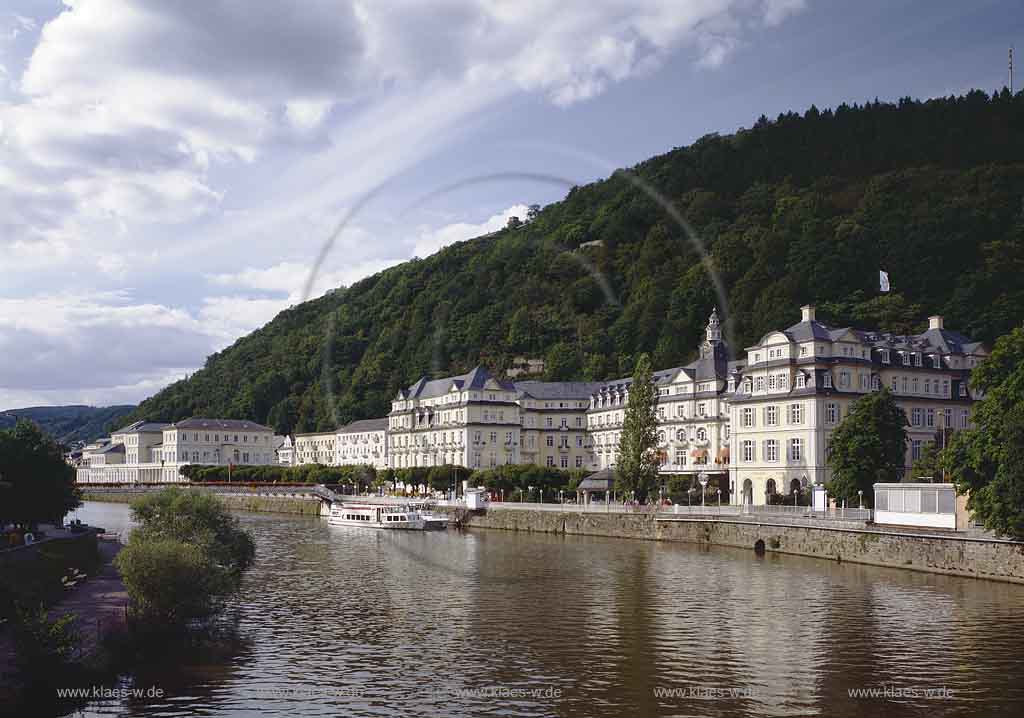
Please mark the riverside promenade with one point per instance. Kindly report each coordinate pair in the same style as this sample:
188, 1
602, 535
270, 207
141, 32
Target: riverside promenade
99, 604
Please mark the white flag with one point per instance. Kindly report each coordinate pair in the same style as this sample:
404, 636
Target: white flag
883, 281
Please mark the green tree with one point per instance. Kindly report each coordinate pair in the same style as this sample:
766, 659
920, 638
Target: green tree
927, 467
196, 518
637, 469
38, 484
987, 462
868, 447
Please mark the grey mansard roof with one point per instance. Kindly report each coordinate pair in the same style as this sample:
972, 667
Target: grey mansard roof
111, 449
476, 378
220, 425
940, 340
143, 427
364, 425
580, 390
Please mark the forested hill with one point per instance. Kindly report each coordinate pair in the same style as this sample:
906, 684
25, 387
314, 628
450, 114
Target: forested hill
68, 424
803, 208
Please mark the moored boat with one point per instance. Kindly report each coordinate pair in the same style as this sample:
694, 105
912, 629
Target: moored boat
377, 516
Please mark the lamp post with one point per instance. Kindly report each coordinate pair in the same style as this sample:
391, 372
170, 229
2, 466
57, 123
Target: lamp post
702, 477
860, 496
529, 493
796, 492
719, 499
560, 499
542, 494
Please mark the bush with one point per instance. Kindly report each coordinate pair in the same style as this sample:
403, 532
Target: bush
187, 555
171, 582
43, 646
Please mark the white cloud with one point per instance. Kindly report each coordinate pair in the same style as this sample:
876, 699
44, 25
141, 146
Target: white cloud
431, 241
223, 138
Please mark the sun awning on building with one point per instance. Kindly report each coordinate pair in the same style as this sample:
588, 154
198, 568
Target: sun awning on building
699, 453
723, 456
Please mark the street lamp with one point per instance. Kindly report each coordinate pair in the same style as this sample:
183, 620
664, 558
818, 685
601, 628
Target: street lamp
560, 499
529, 492
719, 499
860, 496
702, 477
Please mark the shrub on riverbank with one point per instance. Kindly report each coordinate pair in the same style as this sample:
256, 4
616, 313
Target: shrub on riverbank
361, 476
186, 556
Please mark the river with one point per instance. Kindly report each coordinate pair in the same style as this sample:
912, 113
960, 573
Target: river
352, 621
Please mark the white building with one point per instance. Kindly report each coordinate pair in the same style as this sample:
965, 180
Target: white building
149, 452
363, 443
467, 420
693, 417
797, 384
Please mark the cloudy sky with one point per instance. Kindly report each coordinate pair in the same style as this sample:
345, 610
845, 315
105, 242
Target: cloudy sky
170, 170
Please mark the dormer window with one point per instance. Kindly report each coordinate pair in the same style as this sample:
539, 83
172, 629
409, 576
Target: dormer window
917, 359
885, 356
906, 359
828, 380
801, 380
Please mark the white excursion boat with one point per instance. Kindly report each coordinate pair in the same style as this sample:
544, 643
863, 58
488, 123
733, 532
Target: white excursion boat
376, 516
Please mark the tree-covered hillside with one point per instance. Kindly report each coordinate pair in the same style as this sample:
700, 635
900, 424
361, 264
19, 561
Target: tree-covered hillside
796, 210
67, 424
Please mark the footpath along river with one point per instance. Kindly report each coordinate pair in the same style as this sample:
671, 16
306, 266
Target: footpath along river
352, 621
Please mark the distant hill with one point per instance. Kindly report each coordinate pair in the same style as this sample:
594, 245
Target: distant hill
805, 208
67, 424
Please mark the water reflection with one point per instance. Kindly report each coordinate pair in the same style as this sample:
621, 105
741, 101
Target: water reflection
353, 621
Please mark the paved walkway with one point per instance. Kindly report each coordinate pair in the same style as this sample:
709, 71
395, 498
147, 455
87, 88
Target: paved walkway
99, 602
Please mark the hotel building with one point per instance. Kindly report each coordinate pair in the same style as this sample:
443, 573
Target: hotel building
797, 385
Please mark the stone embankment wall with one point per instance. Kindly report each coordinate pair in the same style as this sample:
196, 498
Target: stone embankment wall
953, 555
976, 558
239, 502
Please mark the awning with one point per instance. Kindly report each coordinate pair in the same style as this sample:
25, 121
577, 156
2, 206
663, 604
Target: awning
723, 456
699, 453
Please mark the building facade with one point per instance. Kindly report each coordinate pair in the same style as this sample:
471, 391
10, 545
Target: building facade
693, 417
149, 452
798, 384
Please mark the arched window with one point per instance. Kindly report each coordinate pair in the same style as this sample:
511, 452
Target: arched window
681, 435
702, 435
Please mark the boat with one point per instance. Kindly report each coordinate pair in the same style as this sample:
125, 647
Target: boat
434, 521
376, 516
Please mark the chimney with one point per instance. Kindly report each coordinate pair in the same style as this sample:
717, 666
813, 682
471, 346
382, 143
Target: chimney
935, 322
807, 313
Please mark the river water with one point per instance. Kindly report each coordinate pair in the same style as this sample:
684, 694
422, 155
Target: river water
352, 621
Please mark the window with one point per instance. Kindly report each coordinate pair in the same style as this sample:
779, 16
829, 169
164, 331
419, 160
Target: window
748, 450
748, 417
917, 359
702, 435
929, 418
783, 381
801, 380
760, 383
795, 449
747, 385
579, 462
771, 415
565, 462
906, 384
551, 441
771, 383
915, 449
827, 379
681, 435
803, 351
702, 409
916, 417
894, 385
680, 457
661, 437
831, 413
916, 387
963, 418
876, 383
771, 450
796, 414
885, 356
844, 378
947, 418
551, 461
906, 359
